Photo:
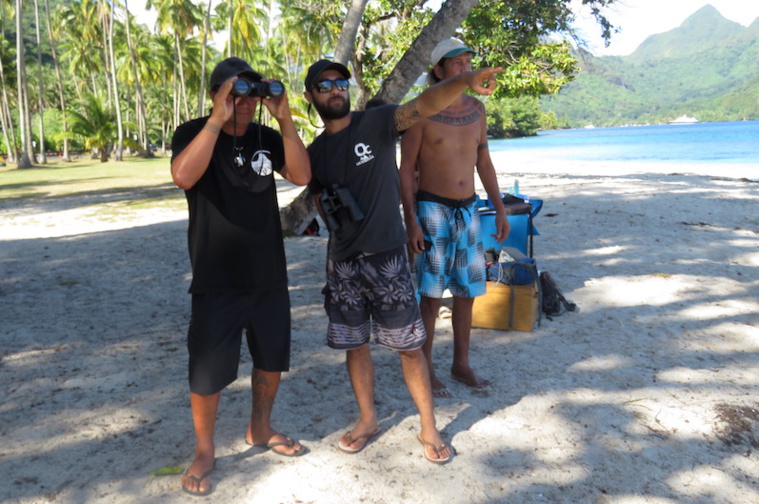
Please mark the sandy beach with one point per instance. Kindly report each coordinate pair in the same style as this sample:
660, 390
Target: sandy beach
648, 394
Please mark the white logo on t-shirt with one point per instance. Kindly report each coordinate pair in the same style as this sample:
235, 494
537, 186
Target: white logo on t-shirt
261, 163
363, 152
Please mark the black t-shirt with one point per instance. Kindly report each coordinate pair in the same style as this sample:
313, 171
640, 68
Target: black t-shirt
235, 235
362, 157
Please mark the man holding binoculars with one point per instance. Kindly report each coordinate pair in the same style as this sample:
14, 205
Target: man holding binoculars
225, 164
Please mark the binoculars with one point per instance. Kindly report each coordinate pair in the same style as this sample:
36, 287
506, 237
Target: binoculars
244, 87
339, 207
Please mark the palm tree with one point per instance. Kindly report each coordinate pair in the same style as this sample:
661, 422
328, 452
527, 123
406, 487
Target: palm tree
96, 124
243, 18
203, 64
6, 119
110, 20
26, 160
180, 18
139, 99
59, 80
41, 106
81, 44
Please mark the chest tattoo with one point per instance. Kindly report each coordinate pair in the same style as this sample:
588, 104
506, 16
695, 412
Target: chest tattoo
464, 118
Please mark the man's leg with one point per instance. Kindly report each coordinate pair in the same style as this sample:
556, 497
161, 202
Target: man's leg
264, 386
462, 328
416, 375
430, 308
361, 372
204, 409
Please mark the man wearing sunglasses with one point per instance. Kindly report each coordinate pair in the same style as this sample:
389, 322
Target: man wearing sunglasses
442, 219
369, 287
225, 164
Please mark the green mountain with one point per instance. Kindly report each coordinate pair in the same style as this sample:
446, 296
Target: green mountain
706, 68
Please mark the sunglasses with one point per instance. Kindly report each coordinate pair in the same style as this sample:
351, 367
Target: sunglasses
325, 86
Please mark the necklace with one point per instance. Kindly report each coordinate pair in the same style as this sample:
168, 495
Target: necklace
239, 159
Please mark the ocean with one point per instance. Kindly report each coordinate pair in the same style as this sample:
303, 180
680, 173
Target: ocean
722, 143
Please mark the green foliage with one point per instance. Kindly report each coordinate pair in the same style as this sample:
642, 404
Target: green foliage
514, 117
279, 42
96, 126
542, 69
388, 29
513, 35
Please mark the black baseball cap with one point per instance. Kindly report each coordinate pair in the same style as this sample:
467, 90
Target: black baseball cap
232, 67
321, 66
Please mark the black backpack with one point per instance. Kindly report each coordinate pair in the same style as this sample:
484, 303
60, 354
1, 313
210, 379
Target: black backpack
553, 301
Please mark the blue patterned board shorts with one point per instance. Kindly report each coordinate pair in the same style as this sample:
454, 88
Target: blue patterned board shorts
455, 259
373, 294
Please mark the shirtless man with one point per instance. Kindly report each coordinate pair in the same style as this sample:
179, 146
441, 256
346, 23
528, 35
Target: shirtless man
442, 222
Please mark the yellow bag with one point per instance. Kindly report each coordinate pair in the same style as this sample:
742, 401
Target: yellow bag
507, 307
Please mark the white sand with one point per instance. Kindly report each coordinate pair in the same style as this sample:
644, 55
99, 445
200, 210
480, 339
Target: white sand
619, 403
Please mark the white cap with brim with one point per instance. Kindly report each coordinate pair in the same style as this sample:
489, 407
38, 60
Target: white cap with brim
449, 48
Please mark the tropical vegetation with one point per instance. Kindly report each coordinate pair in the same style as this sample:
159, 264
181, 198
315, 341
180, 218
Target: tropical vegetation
84, 76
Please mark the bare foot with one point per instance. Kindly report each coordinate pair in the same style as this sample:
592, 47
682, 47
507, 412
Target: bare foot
469, 378
196, 480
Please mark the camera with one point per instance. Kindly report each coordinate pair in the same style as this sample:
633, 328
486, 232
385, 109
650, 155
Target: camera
339, 207
244, 87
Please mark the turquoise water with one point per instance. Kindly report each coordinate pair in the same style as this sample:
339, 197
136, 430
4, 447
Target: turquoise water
727, 142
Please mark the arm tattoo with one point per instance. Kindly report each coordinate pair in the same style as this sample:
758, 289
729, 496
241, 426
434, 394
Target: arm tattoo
406, 115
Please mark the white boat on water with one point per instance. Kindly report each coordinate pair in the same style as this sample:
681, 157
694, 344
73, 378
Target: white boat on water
684, 119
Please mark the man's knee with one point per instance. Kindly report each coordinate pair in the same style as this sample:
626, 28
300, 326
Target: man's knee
430, 303
411, 355
463, 303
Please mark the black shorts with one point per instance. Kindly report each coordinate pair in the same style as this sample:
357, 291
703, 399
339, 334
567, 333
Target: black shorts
215, 336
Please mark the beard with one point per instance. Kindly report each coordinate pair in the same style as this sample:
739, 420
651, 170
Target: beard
333, 108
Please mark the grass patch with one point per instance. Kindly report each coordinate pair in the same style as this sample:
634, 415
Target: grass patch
135, 183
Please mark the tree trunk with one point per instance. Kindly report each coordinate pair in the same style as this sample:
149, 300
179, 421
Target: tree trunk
6, 120
40, 101
26, 160
417, 57
296, 216
204, 58
183, 89
142, 121
344, 50
61, 96
119, 148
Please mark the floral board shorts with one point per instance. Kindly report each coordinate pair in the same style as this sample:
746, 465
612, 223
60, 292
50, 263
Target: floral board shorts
373, 294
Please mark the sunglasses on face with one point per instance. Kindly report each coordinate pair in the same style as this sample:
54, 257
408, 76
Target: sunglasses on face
325, 86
